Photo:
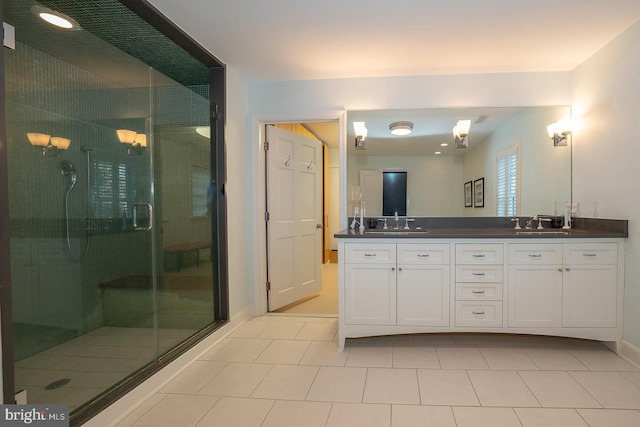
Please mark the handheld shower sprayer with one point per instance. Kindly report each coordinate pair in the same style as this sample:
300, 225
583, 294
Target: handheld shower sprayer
68, 169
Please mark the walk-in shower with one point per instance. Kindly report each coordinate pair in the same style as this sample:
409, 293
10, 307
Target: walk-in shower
97, 302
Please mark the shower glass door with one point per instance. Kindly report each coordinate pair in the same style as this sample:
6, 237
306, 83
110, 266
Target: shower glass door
111, 204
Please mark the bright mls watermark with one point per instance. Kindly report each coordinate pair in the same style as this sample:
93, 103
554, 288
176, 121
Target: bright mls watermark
34, 415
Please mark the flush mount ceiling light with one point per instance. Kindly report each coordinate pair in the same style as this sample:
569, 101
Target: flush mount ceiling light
401, 128
53, 17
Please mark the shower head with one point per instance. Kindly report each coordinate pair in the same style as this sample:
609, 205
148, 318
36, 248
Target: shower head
68, 169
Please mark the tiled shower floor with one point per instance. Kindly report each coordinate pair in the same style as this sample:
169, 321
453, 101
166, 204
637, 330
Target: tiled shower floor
92, 363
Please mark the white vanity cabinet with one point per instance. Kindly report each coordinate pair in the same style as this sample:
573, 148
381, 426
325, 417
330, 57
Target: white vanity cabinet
370, 270
422, 279
403, 284
590, 288
535, 285
479, 275
547, 286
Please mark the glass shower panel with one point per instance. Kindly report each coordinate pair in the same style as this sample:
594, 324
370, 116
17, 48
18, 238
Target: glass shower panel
183, 209
82, 250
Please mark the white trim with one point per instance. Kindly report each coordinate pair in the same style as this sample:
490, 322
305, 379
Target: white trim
630, 352
129, 402
257, 159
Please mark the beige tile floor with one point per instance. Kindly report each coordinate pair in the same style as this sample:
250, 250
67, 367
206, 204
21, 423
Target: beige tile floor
285, 371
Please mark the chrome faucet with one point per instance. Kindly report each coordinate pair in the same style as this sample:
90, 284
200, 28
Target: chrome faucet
407, 221
396, 220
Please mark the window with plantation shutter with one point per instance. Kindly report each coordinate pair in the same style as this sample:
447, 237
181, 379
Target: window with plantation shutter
508, 180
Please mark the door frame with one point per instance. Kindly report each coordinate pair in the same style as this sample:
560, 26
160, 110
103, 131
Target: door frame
257, 164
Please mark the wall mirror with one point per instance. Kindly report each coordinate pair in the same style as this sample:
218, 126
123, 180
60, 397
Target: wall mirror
437, 171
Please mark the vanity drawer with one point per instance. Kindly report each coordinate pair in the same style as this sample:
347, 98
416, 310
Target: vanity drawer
480, 314
359, 253
488, 253
479, 273
591, 253
481, 292
419, 253
523, 253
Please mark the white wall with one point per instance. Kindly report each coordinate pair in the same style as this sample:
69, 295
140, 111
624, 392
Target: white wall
606, 151
238, 194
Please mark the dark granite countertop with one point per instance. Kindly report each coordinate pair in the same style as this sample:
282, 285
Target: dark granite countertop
485, 228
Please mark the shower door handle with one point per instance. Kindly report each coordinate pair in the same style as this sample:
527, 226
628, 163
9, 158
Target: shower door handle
148, 227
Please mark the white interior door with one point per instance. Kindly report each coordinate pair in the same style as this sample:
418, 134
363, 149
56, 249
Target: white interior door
371, 188
294, 226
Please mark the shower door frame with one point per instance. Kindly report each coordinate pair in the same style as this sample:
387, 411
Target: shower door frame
219, 229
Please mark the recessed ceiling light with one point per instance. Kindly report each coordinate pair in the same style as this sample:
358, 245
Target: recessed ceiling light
53, 17
401, 128
438, 152
444, 144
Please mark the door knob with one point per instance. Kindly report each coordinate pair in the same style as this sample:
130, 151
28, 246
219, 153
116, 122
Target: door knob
318, 225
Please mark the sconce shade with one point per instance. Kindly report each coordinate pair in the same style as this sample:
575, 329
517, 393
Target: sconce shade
360, 129
60, 143
461, 129
126, 136
401, 128
204, 131
38, 139
560, 131
140, 140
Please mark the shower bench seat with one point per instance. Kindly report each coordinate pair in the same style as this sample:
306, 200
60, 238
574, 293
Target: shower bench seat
184, 248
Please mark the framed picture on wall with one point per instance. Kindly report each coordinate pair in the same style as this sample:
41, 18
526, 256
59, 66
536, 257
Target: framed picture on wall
478, 193
468, 194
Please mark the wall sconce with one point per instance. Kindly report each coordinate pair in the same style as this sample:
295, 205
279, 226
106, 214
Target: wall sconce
559, 132
51, 145
361, 135
137, 142
401, 128
461, 132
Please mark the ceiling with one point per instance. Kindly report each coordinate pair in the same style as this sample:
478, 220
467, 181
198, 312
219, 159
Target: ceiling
281, 40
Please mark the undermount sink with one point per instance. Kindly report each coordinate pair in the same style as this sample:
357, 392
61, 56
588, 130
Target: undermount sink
399, 232
541, 232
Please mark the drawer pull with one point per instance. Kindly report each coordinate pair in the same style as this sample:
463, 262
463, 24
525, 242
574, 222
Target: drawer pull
477, 274
478, 312
590, 254
478, 292
478, 255
535, 255
423, 255
369, 255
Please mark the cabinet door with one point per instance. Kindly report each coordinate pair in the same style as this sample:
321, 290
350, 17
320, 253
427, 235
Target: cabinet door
423, 295
535, 296
370, 294
589, 296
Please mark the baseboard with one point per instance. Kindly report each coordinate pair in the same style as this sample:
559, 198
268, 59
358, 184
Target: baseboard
630, 352
128, 403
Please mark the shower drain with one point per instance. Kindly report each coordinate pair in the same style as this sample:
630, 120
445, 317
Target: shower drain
57, 384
